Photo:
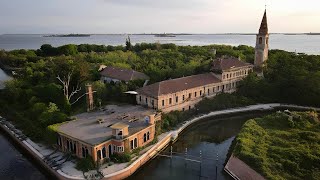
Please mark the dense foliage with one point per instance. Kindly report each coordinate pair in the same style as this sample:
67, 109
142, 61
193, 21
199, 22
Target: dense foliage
221, 101
35, 98
288, 78
282, 145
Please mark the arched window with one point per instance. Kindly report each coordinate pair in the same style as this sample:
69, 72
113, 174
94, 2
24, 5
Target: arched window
99, 155
104, 153
135, 142
87, 152
144, 137
83, 152
74, 148
260, 40
148, 135
68, 145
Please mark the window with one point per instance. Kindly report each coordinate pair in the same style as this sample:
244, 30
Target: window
177, 99
144, 137
182, 109
104, 152
189, 95
99, 154
234, 74
245, 72
162, 102
148, 135
208, 91
227, 76
140, 98
200, 92
170, 100
114, 148
213, 89
131, 144
152, 102
195, 94
120, 148
260, 40
182, 97
134, 143
189, 107
218, 88
146, 100
223, 76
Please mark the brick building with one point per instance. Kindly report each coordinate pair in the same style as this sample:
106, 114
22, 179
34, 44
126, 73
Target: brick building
183, 93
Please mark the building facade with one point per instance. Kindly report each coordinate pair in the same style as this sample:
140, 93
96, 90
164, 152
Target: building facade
183, 93
102, 138
262, 44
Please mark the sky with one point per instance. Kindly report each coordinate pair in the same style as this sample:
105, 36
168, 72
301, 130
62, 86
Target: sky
156, 16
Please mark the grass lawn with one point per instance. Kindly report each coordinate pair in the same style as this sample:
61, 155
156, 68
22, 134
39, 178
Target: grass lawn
282, 145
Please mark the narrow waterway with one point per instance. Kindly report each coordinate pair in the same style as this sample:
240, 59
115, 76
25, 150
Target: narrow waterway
15, 165
212, 137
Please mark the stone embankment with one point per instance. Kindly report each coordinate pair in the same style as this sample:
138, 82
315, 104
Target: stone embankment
66, 170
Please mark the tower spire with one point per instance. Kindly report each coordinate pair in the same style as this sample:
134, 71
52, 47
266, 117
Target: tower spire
264, 24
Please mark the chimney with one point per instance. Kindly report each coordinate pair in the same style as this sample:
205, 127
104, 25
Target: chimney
89, 93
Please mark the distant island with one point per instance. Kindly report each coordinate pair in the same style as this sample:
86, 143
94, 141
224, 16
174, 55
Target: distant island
67, 35
164, 35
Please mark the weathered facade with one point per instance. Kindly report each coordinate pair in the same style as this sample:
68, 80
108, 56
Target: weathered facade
183, 93
102, 135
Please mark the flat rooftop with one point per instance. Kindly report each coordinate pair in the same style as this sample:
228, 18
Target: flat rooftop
94, 127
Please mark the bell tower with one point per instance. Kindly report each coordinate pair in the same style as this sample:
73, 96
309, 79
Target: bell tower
262, 44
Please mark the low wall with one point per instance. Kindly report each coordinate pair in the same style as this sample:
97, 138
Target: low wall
150, 154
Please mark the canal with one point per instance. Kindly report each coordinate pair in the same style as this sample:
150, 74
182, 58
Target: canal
212, 137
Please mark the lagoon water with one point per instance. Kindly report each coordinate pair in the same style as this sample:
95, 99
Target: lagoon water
14, 165
309, 44
212, 137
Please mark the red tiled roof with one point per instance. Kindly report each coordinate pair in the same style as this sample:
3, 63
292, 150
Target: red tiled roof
228, 63
177, 85
122, 74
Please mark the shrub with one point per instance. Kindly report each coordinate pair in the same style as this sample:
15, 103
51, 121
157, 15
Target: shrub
85, 164
120, 157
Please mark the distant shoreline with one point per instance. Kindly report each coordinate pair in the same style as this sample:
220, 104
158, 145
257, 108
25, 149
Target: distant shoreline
153, 34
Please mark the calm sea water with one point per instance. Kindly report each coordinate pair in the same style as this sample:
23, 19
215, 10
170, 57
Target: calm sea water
309, 44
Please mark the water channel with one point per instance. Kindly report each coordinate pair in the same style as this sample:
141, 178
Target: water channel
211, 136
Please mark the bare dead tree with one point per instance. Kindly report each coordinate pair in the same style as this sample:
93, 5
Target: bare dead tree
65, 81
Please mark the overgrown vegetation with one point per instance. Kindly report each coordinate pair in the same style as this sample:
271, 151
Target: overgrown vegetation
85, 164
35, 99
120, 157
282, 146
221, 101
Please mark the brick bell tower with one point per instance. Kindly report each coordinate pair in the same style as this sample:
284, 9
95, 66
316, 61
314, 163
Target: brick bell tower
262, 44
